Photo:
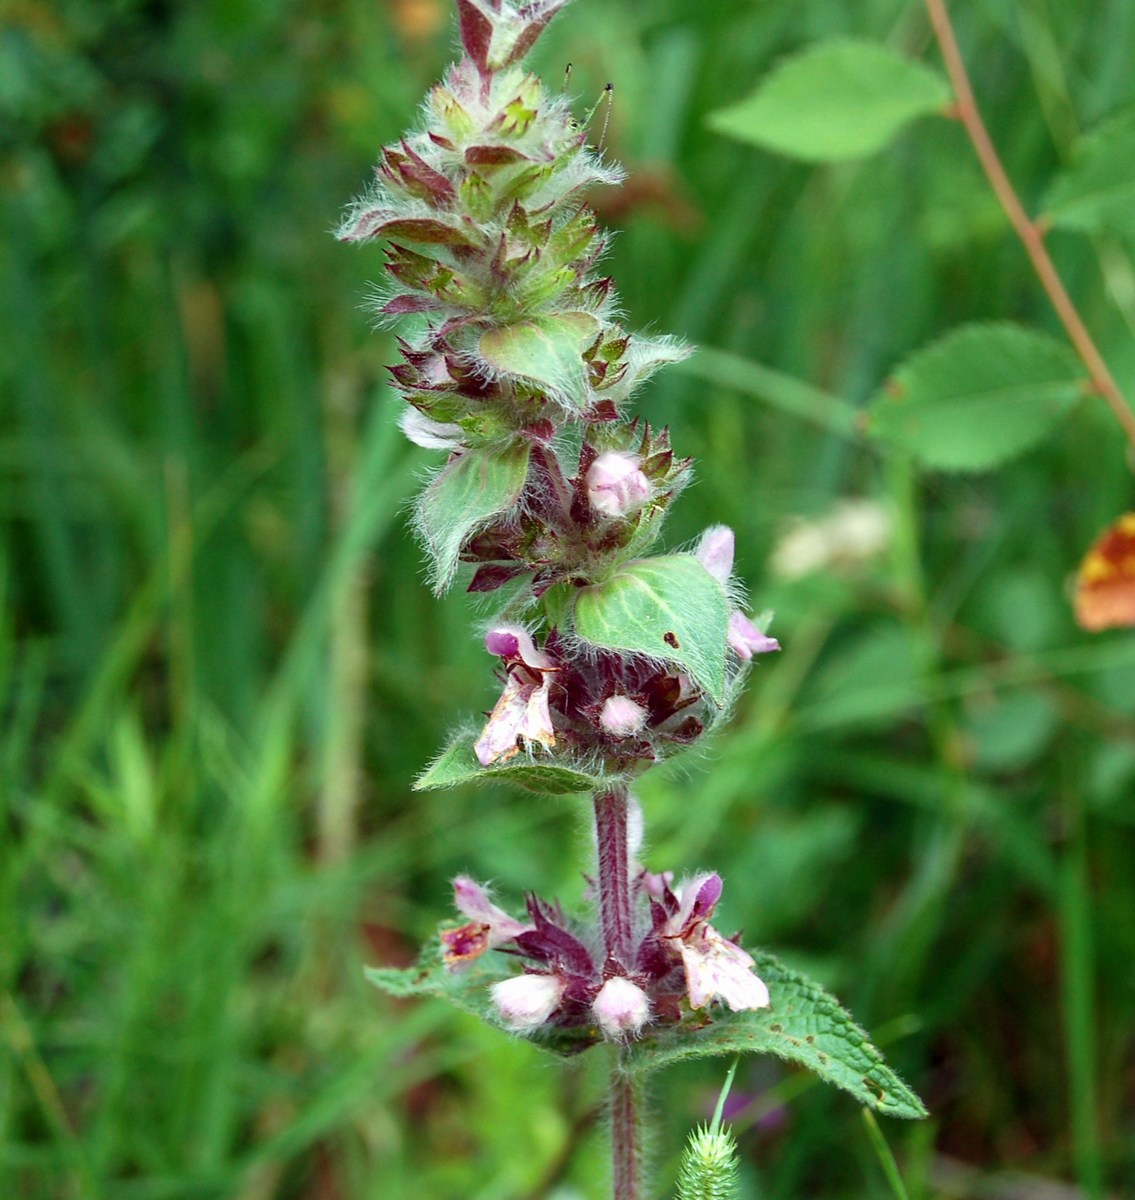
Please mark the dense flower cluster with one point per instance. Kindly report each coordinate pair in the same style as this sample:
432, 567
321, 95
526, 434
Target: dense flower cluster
516, 366
678, 957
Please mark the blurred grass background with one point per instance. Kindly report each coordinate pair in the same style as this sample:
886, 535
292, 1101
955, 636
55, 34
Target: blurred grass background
220, 670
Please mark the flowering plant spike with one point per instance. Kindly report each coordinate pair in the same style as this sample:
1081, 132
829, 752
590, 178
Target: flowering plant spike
552, 495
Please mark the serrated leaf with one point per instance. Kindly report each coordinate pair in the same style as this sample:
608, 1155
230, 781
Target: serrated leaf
546, 350
805, 1025
837, 100
1097, 192
458, 764
669, 608
471, 490
981, 395
468, 990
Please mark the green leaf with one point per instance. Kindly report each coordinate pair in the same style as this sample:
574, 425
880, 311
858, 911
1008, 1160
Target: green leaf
458, 764
546, 350
669, 608
469, 492
837, 100
981, 395
1096, 194
805, 1025
468, 990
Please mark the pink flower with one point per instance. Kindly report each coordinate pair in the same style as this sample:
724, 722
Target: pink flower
745, 639
715, 553
621, 1008
615, 485
488, 927
525, 1002
716, 968
522, 711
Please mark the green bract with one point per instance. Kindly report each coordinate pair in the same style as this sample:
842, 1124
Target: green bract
458, 764
548, 351
471, 490
669, 608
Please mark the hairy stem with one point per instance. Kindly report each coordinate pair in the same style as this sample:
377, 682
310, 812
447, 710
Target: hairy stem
618, 939
614, 874
1029, 231
625, 1164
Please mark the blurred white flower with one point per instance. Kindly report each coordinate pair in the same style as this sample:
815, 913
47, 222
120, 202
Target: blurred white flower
853, 532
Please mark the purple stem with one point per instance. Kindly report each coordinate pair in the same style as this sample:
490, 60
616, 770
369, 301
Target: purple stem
618, 938
624, 1136
614, 875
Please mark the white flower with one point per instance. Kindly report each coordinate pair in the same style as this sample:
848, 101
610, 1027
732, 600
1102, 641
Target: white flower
425, 431
522, 711
716, 968
854, 532
620, 1008
525, 1002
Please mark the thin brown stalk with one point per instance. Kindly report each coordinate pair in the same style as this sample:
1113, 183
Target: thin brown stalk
1029, 231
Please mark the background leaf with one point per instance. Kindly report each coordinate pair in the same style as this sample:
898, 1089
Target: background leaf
805, 1025
981, 395
1096, 193
458, 764
669, 608
468, 492
838, 100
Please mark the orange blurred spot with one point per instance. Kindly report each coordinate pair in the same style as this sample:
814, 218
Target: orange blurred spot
418, 20
1105, 583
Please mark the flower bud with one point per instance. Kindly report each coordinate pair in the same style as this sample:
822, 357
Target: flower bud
745, 639
715, 552
525, 1002
615, 485
515, 642
621, 1008
621, 717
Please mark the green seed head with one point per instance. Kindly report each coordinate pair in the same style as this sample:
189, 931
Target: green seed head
709, 1168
